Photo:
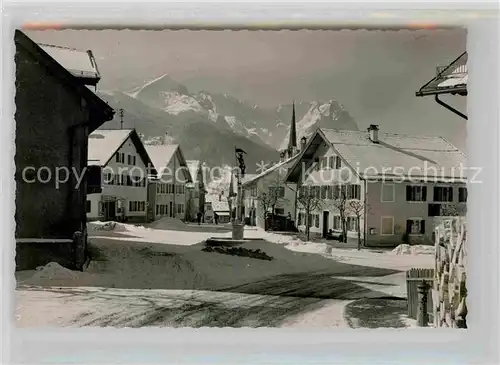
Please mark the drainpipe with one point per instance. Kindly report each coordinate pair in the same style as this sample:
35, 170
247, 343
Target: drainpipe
450, 108
365, 213
175, 184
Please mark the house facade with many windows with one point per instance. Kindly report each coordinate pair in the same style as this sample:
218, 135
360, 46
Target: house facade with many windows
389, 187
167, 192
125, 165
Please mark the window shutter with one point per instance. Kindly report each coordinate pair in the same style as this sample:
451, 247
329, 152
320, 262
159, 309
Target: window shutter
338, 163
408, 226
330, 162
408, 193
451, 195
422, 226
424, 193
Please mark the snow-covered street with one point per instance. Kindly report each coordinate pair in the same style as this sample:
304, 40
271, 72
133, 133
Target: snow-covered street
161, 277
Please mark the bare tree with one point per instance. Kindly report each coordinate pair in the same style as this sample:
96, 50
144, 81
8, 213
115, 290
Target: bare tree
309, 200
340, 203
270, 198
357, 208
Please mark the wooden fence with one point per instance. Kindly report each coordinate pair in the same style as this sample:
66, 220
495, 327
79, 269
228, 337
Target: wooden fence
449, 293
413, 278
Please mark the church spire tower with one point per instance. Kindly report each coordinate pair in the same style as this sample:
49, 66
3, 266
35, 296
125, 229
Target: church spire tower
292, 138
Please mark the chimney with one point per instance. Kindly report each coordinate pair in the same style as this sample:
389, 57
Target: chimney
373, 131
165, 138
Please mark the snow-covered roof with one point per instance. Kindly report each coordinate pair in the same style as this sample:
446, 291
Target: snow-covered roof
280, 165
450, 79
397, 155
104, 143
218, 206
161, 154
409, 154
79, 63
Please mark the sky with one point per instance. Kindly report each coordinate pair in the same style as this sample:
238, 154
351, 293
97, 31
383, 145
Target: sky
375, 74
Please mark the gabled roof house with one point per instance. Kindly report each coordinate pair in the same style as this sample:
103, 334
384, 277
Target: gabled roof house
55, 113
403, 182
125, 167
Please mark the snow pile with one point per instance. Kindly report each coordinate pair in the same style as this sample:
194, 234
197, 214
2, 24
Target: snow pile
310, 247
53, 271
406, 249
107, 226
165, 223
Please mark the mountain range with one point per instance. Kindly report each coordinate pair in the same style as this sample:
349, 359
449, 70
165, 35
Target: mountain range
208, 126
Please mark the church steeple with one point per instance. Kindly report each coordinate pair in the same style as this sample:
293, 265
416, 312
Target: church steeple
292, 138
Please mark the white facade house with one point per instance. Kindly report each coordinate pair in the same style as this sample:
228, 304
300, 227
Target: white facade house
124, 162
269, 189
168, 191
396, 186
270, 183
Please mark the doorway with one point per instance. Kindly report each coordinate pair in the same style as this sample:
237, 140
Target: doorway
172, 210
110, 210
326, 218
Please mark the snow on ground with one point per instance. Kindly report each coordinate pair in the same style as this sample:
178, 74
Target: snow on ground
91, 306
143, 281
420, 256
137, 233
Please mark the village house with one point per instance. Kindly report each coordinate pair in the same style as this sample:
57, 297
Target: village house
267, 190
167, 191
55, 112
217, 205
125, 167
196, 193
390, 187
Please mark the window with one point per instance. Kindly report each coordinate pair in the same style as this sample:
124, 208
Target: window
279, 211
136, 206
323, 163
353, 191
120, 157
443, 194
129, 159
310, 220
299, 219
89, 206
338, 162
180, 208
133, 160
416, 193
317, 192
278, 190
316, 220
324, 190
415, 226
387, 226
388, 193
157, 209
331, 162
337, 222
352, 224
329, 192
462, 195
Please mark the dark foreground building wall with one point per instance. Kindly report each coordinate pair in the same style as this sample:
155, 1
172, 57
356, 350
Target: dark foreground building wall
54, 115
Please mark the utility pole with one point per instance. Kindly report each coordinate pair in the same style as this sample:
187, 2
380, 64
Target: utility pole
121, 118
